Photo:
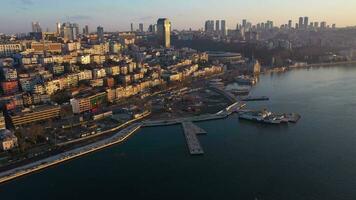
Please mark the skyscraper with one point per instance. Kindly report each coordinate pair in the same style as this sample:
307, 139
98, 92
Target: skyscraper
141, 27
75, 30
164, 32
223, 28
36, 28
100, 32
152, 28
209, 26
316, 24
244, 23
301, 20
290, 24
58, 28
217, 26
67, 32
306, 22
132, 28
86, 30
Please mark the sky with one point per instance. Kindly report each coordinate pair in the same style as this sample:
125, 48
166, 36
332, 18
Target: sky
117, 15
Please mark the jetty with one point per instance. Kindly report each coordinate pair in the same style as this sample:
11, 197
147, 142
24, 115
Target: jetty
191, 131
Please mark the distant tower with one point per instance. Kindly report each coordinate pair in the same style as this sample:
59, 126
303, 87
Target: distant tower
301, 20
323, 25
244, 23
316, 24
217, 26
290, 24
141, 28
36, 28
223, 27
100, 33
164, 32
132, 28
58, 28
306, 22
86, 30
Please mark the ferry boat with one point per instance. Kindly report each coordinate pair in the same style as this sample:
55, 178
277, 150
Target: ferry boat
258, 116
265, 117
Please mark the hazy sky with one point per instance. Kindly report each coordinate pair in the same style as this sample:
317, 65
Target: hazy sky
17, 15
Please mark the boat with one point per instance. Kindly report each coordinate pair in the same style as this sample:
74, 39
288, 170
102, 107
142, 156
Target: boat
258, 116
268, 117
246, 80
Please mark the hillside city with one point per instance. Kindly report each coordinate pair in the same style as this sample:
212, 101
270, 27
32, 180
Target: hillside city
69, 87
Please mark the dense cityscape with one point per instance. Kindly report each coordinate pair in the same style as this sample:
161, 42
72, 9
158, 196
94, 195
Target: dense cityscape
74, 89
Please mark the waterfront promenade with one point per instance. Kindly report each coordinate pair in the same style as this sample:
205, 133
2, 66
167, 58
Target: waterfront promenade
121, 136
233, 108
54, 160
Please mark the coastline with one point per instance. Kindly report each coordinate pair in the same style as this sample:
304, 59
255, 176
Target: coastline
63, 157
119, 137
330, 64
306, 66
69, 155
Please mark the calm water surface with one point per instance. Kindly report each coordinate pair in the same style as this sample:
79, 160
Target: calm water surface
313, 159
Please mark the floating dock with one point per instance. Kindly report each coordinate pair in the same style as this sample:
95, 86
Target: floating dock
190, 132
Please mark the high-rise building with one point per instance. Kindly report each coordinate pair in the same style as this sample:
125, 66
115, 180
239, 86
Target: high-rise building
244, 23
36, 28
75, 30
164, 32
323, 25
140, 28
86, 30
58, 28
152, 28
223, 28
217, 26
316, 24
209, 26
100, 33
290, 24
301, 24
306, 22
132, 27
269, 25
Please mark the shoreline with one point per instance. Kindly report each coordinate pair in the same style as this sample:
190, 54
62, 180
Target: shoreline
119, 137
306, 66
330, 64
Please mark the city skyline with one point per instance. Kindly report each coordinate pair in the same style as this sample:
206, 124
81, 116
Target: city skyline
118, 15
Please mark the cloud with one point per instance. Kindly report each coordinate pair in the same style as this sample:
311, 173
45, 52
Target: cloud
78, 18
27, 2
145, 18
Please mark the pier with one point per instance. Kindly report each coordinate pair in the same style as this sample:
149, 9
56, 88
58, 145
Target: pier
190, 132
